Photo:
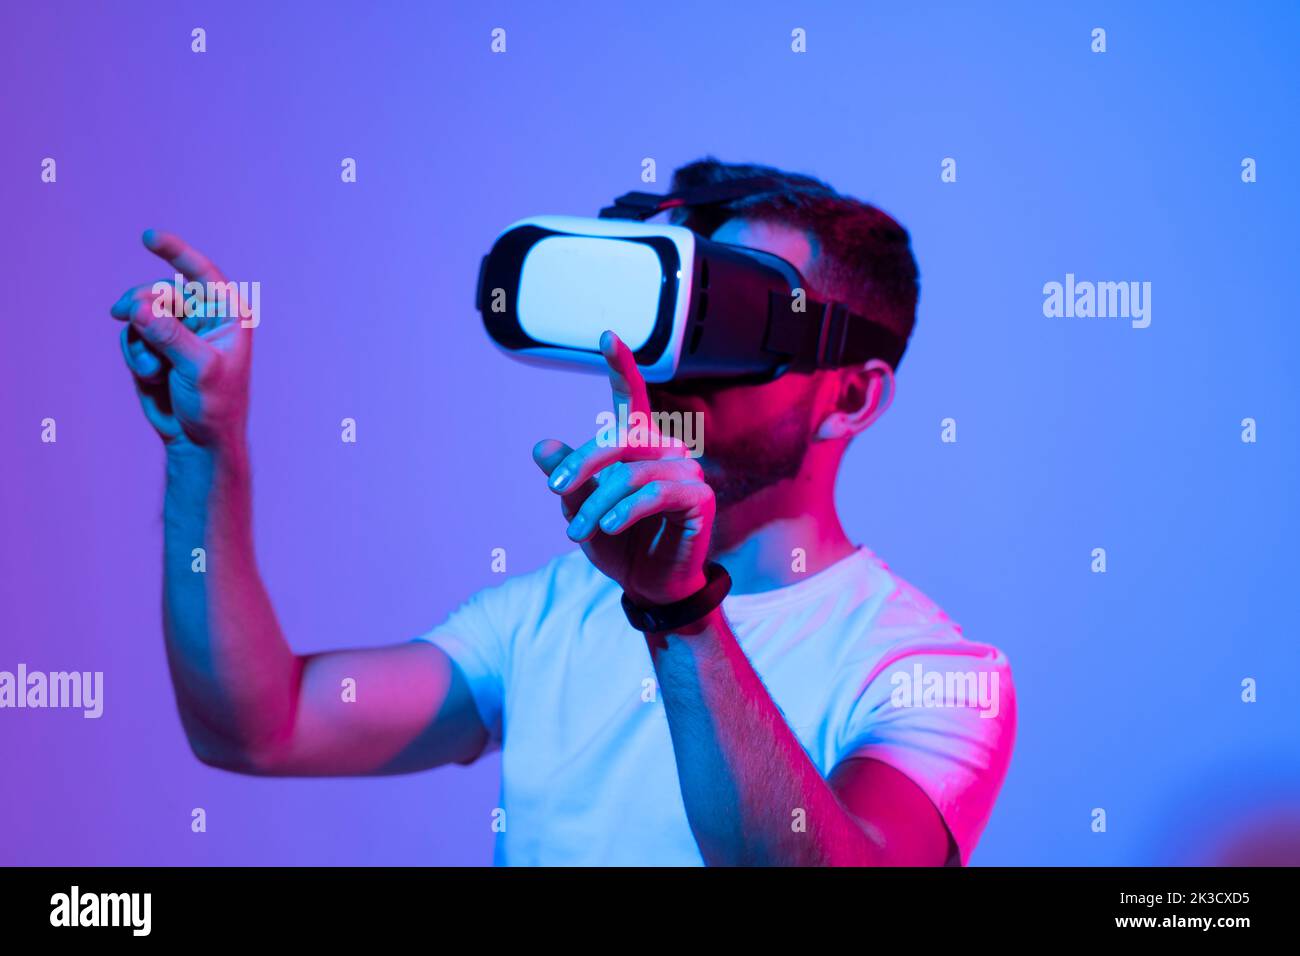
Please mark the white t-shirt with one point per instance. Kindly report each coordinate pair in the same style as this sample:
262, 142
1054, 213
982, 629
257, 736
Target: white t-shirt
859, 662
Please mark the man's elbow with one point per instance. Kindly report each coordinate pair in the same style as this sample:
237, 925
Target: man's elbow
237, 758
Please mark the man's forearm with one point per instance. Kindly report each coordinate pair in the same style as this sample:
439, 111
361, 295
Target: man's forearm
752, 795
235, 675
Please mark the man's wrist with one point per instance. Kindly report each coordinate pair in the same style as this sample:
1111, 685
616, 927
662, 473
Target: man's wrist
186, 459
199, 475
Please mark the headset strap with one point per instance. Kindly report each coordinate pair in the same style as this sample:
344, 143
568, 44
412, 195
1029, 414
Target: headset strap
642, 206
827, 335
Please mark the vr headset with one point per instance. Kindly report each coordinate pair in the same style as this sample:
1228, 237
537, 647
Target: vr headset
687, 307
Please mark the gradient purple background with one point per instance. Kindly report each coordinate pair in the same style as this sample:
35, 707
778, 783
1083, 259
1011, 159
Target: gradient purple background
1072, 434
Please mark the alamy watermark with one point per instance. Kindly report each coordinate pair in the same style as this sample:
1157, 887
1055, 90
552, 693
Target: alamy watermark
130, 910
944, 688
73, 690
651, 430
1100, 300
221, 299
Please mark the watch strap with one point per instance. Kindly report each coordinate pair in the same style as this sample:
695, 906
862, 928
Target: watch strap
661, 618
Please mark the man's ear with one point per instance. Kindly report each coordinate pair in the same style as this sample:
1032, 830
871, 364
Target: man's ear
865, 393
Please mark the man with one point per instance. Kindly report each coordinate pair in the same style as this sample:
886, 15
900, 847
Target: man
824, 713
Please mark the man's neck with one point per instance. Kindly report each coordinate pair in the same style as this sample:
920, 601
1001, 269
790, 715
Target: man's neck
779, 536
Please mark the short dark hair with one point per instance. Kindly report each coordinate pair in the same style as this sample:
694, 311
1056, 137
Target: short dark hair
864, 257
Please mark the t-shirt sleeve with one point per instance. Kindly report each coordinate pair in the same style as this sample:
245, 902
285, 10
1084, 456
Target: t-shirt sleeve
474, 637
946, 718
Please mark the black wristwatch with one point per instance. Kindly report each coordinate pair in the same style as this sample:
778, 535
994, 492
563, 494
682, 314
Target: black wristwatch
670, 617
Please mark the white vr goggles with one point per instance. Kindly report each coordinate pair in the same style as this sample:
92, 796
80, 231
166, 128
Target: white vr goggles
687, 307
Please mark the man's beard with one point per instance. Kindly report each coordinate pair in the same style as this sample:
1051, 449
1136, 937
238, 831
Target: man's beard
760, 458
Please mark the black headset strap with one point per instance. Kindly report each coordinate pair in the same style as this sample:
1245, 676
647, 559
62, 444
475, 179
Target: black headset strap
827, 335
641, 206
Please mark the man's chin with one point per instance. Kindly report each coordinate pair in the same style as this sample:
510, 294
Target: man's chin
714, 473
732, 485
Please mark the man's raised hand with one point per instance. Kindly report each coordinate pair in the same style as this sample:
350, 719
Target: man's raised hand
191, 372
641, 510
